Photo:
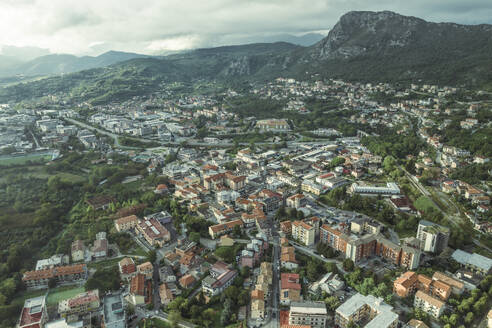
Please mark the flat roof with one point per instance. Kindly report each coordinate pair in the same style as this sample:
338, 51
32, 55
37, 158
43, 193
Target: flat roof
474, 259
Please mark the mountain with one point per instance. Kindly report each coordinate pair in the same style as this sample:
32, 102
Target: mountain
62, 64
362, 46
23, 54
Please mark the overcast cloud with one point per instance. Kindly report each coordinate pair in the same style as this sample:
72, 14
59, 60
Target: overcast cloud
155, 26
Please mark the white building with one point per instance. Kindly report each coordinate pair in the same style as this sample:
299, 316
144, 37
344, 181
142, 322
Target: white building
311, 314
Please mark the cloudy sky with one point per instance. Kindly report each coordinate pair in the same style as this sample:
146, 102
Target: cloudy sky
154, 26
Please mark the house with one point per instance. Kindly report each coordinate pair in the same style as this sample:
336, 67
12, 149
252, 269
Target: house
286, 227
257, 308
78, 251
127, 268
366, 309
146, 269
187, 281
428, 304
457, 287
154, 232
288, 257
290, 288
33, 313
101, 202
166, 294
80, 304
308, 314
161, 189
126, 223
100, 248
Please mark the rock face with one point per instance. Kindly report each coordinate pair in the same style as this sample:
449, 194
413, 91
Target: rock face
363, 32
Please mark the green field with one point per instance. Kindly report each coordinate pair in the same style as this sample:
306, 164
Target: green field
63, 293
423, 203
24, 159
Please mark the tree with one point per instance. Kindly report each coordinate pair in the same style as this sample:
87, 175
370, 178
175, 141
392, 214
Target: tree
152, 256
332, 303
174, 318
348, 265
469, 318
52, 283
195, 236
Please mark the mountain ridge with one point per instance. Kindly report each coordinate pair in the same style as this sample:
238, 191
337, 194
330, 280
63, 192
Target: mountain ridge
362, 46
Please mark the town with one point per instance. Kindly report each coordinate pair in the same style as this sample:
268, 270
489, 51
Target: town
341, 205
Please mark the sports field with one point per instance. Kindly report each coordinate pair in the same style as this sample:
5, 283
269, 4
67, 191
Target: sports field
62, 293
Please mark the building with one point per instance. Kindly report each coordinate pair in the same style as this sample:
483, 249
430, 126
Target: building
288, 257
370, 309
80, 304
216, 285
78, 251
474, 262
224, 228
138, 290
311, 314
273, 125
303, 232
100, 202
127, 268
126, 223
41, 278
55, 260
166, 294
100, 247
296, 201
290, 288
33, 314
114, 315
359, 247
390, 189
457, 287
154, 232
146, 269
433, 237
428, 304
409, 282
187, 281
257, 308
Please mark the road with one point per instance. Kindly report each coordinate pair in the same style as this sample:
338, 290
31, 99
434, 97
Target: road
310, 252
193, 143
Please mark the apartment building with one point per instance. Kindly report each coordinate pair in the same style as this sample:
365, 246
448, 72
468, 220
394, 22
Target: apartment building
273, 125
303, 232
215, 286
154, 232
311, 314
41, 278
127, 268
431, 305
79, 304
356, 247
370, 309
409, 282
296, 201
433, 237
126, 223
78, 251
224, 228
288, 257
390, 189
474, 262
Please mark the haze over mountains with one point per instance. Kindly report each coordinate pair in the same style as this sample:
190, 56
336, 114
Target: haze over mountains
365, 46
32, 61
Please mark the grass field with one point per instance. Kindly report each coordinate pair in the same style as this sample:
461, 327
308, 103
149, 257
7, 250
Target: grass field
24, 159
62, 293
423, 203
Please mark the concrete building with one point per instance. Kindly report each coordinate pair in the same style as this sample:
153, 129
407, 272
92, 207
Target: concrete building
126, 223
80, 304
33, 314
433, 237
290, 288
359, 309
311, 314
114, 315
303, 232
428, 304
390, 189
474, 262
